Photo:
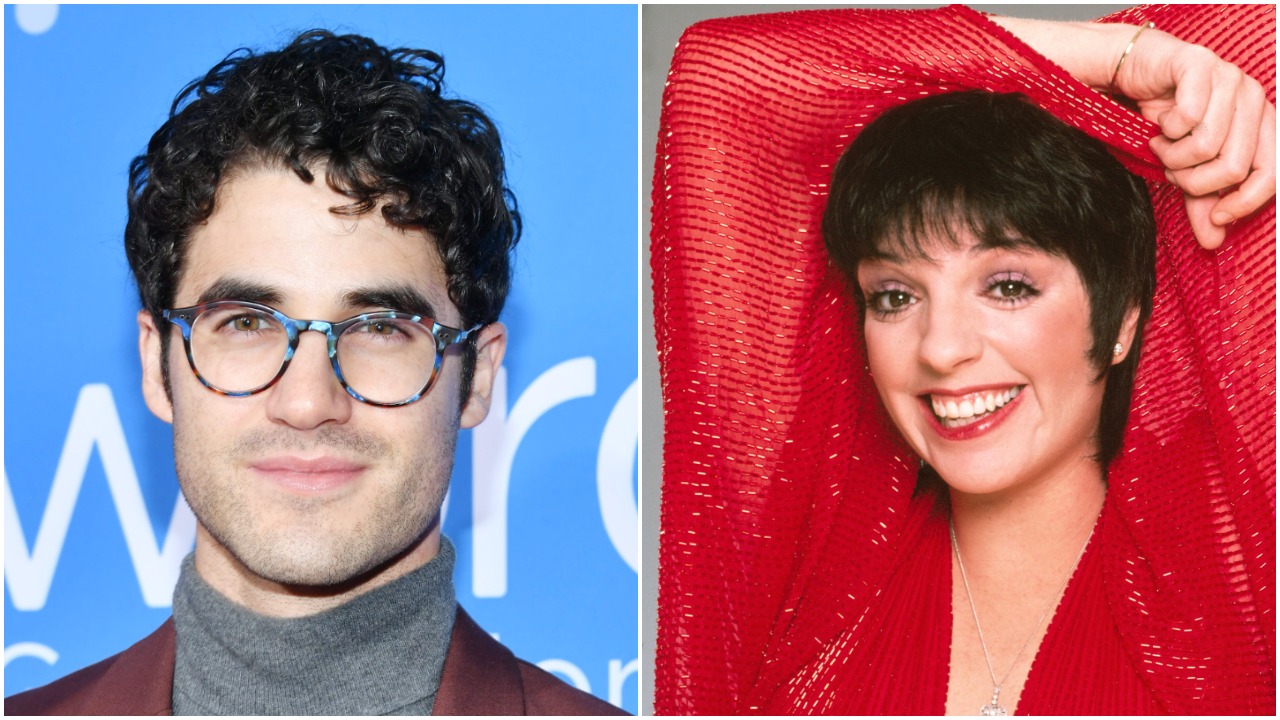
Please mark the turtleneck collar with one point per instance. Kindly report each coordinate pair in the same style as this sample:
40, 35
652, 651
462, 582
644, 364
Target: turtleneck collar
380, 653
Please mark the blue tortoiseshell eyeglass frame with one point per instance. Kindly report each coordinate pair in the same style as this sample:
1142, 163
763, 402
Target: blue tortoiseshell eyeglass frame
444, 335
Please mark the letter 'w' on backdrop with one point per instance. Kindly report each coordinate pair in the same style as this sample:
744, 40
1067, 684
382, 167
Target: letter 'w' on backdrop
542, 506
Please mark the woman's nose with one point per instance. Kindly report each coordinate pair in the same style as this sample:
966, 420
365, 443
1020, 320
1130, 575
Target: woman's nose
950, 338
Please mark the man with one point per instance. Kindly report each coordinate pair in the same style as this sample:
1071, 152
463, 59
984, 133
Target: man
321, 244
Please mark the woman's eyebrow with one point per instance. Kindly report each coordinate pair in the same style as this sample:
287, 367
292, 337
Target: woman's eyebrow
1014, 244
896, 258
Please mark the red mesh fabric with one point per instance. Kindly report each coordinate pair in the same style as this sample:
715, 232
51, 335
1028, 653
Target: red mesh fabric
786, 491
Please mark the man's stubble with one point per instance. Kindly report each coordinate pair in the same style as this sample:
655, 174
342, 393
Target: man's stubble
319, 545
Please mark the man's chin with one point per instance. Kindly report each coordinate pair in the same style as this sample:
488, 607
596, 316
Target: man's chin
298, 569
314, 568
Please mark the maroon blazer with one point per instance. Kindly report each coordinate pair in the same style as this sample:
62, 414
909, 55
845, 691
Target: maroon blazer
481, 677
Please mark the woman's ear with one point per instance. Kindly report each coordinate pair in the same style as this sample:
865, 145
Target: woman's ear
1124, 341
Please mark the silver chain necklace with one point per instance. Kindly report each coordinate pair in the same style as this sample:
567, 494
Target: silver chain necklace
994, 707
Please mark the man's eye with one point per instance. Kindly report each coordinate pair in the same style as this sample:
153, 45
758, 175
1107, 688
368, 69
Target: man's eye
247, 323
382, 328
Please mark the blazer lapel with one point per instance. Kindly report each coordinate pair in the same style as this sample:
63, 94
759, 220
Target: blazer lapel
140, 680
480, 675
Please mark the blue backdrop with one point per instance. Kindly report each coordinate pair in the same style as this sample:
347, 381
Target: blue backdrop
543, 500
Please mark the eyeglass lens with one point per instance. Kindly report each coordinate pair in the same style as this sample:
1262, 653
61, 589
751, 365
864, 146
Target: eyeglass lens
239, 349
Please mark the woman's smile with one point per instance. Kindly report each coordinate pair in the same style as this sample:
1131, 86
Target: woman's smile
964, 415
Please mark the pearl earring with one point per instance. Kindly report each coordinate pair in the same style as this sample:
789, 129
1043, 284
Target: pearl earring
1119, 348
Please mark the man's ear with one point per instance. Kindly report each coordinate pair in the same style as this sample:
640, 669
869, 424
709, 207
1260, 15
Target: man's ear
491, 346
1128, 329
153, 390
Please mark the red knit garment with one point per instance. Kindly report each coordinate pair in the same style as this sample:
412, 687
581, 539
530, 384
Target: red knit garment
796, 573
898, 664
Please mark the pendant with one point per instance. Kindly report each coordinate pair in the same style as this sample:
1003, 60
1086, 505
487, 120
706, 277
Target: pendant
993, 708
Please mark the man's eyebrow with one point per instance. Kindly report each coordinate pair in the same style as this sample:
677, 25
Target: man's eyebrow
240, 289
400, 298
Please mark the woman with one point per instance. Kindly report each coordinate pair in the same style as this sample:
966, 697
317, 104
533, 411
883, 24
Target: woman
1005, 264
788, 508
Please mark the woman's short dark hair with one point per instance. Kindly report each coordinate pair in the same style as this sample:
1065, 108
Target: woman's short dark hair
999, 169
375, 119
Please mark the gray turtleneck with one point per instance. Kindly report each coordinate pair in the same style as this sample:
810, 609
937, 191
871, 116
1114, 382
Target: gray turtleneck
381, 653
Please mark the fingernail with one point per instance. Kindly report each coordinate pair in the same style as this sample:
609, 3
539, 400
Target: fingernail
1222, 217
1168, 175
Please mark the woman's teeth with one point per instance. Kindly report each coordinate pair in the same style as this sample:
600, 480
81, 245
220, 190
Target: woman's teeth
971, 408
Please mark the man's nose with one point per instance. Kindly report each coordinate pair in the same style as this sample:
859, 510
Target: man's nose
309, 395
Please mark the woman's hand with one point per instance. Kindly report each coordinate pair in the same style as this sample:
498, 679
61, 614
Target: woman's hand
1219, 131
1217, 128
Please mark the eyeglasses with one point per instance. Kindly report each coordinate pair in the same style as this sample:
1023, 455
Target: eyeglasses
384, 358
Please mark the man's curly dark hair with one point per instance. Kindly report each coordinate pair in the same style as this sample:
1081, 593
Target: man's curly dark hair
378, 123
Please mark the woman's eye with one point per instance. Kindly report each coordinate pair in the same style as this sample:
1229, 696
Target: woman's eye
888, 301
1012, 290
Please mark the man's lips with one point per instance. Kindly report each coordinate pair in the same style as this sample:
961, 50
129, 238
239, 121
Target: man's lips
308, 474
